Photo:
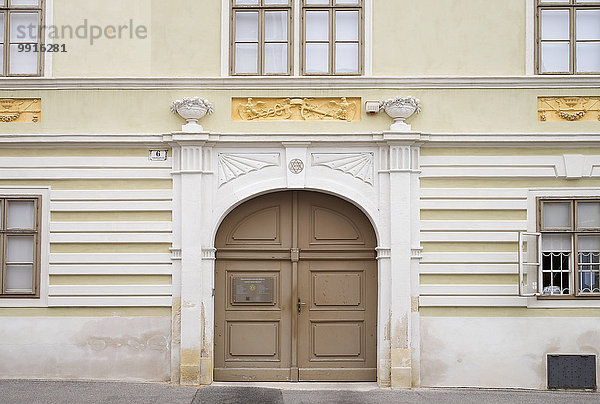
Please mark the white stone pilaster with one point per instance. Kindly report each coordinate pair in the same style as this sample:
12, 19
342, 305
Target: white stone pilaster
404, 194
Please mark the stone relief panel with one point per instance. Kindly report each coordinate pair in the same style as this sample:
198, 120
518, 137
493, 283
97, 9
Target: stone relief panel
20, 110
296, 109
234, 165
359, 165
556, 109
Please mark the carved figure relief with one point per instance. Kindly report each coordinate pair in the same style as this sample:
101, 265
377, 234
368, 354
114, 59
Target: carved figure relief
234, 165
296, 109
359, 165
20, 109
554, 109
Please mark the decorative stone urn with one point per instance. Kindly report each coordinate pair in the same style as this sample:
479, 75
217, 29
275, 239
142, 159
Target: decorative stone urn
400, 109
192, 109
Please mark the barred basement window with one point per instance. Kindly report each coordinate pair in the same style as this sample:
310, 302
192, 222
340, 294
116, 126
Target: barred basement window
21, 37
568, 36
19, 244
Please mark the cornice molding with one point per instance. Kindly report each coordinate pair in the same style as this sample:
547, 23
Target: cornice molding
260, 139
258, 83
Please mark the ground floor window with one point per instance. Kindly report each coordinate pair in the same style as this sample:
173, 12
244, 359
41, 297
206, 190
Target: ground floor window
19, 246
570, 247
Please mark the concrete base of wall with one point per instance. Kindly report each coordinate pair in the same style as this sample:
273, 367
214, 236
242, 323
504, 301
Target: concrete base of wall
115, 348
500, 352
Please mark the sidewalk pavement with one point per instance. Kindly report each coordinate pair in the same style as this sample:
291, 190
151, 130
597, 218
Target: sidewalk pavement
67, 392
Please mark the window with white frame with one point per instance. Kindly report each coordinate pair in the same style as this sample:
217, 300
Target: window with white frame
331, 37
568, 36
21, 37
19, 246
568, 262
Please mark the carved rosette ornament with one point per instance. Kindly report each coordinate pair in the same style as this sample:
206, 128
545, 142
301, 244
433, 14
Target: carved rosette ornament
400, 109
192, 109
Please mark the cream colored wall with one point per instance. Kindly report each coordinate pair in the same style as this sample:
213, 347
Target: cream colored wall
147, 111
450, 37
182, 40
426, 37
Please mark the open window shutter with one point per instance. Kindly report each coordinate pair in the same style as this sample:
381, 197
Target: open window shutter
530, 263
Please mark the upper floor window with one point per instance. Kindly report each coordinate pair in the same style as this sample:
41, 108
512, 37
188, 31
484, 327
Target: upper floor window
568, 36
261, 37
19, 246
20, 37
331, 37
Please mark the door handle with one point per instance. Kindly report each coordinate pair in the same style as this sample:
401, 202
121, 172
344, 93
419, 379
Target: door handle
300, 304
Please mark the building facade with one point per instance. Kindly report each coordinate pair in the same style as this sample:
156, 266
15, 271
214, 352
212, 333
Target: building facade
295, 231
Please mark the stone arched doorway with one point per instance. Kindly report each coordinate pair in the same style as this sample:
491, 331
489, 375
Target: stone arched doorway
295, 291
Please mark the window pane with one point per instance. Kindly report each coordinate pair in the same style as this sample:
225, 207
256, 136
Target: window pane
346, 58
555, 57
246, 58
2, 27
24, 27
21, 215
276, 2
556, 242
317, 26
588, 260
25, 2
317, 58
276, 57
588, 214
246, 2
588, 24
557, 215
2, 59
22, 62
246, 26
19, 249
555, 24
316, 1
346, 25
588, 57
19, 278
346, 2
588, 243
276, 26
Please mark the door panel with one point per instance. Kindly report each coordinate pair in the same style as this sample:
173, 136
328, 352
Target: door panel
253, 320
337, 330
259, 333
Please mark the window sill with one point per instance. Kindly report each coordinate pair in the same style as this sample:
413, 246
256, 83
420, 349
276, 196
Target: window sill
563, 302
11, 302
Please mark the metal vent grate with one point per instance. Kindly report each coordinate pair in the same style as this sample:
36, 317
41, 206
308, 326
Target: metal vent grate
572, 371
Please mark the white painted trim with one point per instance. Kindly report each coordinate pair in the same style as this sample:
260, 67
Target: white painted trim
469, 290
530, 37
111, 269
44, 192
110, 238
225, 38
48, 20
299, 82
110, 301
108, 227
297, 38
472, 301
368, 44
110, 290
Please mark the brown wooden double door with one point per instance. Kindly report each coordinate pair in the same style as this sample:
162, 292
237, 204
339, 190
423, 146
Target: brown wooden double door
295, 291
